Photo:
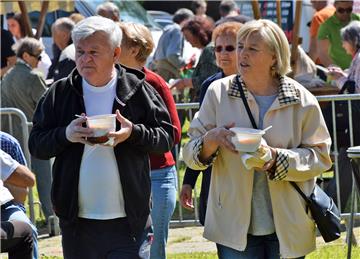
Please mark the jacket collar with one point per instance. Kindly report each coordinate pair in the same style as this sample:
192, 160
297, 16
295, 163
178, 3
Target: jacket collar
22, 62
128, 82
288, 94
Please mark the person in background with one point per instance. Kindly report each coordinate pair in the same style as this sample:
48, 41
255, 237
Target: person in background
350, 36
136, 45
322, 12
8, 57
199, 8
198, 32
76, 17
109, 10
17, 28
228, 8
65, 62
168, 56
224, 38
113, 221
22, 88
229, 12
254, 212
329, 44
16, 178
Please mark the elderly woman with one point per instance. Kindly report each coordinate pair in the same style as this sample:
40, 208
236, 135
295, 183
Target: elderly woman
197, 31
350, 36
137, 44
255, 212
224, 37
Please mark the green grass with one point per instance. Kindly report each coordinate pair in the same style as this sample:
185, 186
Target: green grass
334, 251
192, 256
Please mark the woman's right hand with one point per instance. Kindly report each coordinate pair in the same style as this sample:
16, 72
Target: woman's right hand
186, 197
215, 138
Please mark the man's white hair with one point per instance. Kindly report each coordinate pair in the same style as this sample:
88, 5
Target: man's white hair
90, 25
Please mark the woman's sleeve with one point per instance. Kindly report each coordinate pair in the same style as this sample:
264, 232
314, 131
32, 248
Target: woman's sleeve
204, 120
312, 157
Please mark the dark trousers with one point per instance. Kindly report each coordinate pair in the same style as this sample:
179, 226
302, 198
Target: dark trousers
99, 239
16, 239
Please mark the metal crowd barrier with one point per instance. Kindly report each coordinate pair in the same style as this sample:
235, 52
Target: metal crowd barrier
191, 108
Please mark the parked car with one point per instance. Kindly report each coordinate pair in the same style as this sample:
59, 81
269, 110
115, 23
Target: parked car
161, 17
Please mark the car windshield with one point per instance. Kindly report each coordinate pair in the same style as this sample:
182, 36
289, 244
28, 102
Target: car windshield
130, 11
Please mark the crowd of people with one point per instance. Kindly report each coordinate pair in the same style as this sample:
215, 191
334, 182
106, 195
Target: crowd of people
116, 199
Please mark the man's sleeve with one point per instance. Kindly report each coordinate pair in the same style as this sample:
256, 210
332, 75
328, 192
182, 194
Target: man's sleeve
314, 27
8, 165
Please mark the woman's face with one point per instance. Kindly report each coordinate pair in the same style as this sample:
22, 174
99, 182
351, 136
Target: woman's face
14, 28
254, 57
192, 39
225, 52
348, 47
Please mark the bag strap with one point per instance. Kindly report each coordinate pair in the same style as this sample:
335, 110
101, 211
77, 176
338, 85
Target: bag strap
297, 188
242, 94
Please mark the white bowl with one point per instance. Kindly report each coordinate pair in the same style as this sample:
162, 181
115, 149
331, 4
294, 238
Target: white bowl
101, 126
246, 139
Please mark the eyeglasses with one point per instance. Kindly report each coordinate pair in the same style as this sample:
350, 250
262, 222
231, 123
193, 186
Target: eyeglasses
227, 48
343, 10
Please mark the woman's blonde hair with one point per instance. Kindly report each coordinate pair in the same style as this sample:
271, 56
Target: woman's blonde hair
274, 38
135, 34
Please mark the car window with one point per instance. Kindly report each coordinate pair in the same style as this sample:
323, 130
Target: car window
130, 11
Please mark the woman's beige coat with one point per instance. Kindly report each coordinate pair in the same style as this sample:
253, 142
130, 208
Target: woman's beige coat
303, 143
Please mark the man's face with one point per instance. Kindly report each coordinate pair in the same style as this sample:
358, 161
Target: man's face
343, 10
95, 58
61, 38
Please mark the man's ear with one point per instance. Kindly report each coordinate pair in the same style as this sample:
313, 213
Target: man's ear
25, 56
117, 52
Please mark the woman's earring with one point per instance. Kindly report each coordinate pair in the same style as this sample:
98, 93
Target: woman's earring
273, 70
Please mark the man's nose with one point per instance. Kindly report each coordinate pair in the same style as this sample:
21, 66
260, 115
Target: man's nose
86, 57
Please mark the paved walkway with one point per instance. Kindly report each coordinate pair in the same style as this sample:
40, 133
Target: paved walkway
181, 240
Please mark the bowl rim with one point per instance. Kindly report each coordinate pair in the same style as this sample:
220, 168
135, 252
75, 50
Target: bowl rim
100, 116
250, 131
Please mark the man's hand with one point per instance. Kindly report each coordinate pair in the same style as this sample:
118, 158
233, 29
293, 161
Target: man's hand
186, 197
76, 133
125, 131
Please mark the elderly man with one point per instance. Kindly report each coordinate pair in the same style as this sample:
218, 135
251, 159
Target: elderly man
330, 49
109, 10
64, 61
101, 193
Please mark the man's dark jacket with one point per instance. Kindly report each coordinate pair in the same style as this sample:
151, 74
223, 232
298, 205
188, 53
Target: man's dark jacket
152, 132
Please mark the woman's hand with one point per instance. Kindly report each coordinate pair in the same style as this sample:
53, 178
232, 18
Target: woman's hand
215, 138
336, 72
269, 164
182, 84
186, 199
